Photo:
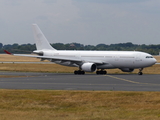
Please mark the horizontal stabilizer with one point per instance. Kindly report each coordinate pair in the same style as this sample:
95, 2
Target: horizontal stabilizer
8, 52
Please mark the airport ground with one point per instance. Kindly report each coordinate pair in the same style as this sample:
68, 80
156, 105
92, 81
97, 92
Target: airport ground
73, 104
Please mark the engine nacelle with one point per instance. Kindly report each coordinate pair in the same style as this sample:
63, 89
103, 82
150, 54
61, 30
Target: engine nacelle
127, 69
89, 67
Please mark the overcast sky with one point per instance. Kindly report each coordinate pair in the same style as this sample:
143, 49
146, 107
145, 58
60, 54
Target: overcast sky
81, 21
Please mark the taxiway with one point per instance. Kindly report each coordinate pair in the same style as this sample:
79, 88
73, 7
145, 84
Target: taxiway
66, 81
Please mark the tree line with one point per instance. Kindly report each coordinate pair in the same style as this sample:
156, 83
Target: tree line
28, 48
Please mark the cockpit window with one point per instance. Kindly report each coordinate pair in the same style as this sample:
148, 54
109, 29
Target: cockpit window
149, 57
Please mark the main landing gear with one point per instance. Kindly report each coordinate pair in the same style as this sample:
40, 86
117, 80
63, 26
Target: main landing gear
79, 72
101, 72
140, 71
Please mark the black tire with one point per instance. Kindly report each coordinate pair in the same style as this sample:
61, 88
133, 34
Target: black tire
104, 72
82, 72
79, 72
97, 72
140, 73
101, 72
76, 72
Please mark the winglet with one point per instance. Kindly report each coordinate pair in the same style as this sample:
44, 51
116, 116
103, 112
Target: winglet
7, 52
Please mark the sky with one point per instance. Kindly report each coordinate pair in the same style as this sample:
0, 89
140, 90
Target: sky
89, 22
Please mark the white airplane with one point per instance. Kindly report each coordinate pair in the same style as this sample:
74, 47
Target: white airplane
90, 61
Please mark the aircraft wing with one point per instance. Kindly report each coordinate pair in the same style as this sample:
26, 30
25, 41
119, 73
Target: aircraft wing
50, 57
72, 59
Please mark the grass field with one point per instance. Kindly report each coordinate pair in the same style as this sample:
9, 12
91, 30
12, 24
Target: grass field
74, 105
11, 58
78, 105
157, 58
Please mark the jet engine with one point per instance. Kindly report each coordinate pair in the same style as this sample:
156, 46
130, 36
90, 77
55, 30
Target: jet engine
89, 67
127, 69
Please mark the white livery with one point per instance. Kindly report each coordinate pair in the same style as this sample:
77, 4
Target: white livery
90, 61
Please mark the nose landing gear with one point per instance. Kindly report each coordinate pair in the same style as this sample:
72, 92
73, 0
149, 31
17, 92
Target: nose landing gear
140, 71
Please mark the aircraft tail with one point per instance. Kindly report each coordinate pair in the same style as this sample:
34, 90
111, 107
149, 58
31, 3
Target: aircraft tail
40, 39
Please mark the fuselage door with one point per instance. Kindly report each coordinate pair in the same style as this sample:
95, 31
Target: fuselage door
116, 58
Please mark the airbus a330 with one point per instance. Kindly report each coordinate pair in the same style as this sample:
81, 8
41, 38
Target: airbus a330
89, 61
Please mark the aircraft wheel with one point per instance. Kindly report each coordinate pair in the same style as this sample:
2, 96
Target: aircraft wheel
97, 72
82, 72
76, 72
101, 72
104, 72
140, 73
79, 72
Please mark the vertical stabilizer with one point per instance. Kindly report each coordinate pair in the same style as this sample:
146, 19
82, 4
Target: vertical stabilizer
40, 39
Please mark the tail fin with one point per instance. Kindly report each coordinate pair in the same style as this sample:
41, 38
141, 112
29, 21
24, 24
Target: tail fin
40, 39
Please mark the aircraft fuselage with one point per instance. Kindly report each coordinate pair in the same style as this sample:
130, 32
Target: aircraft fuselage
110, 59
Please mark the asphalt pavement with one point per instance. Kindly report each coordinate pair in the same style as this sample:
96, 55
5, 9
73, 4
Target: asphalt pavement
68, 81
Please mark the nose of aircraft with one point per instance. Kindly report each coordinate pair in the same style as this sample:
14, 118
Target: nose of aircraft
154, 61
